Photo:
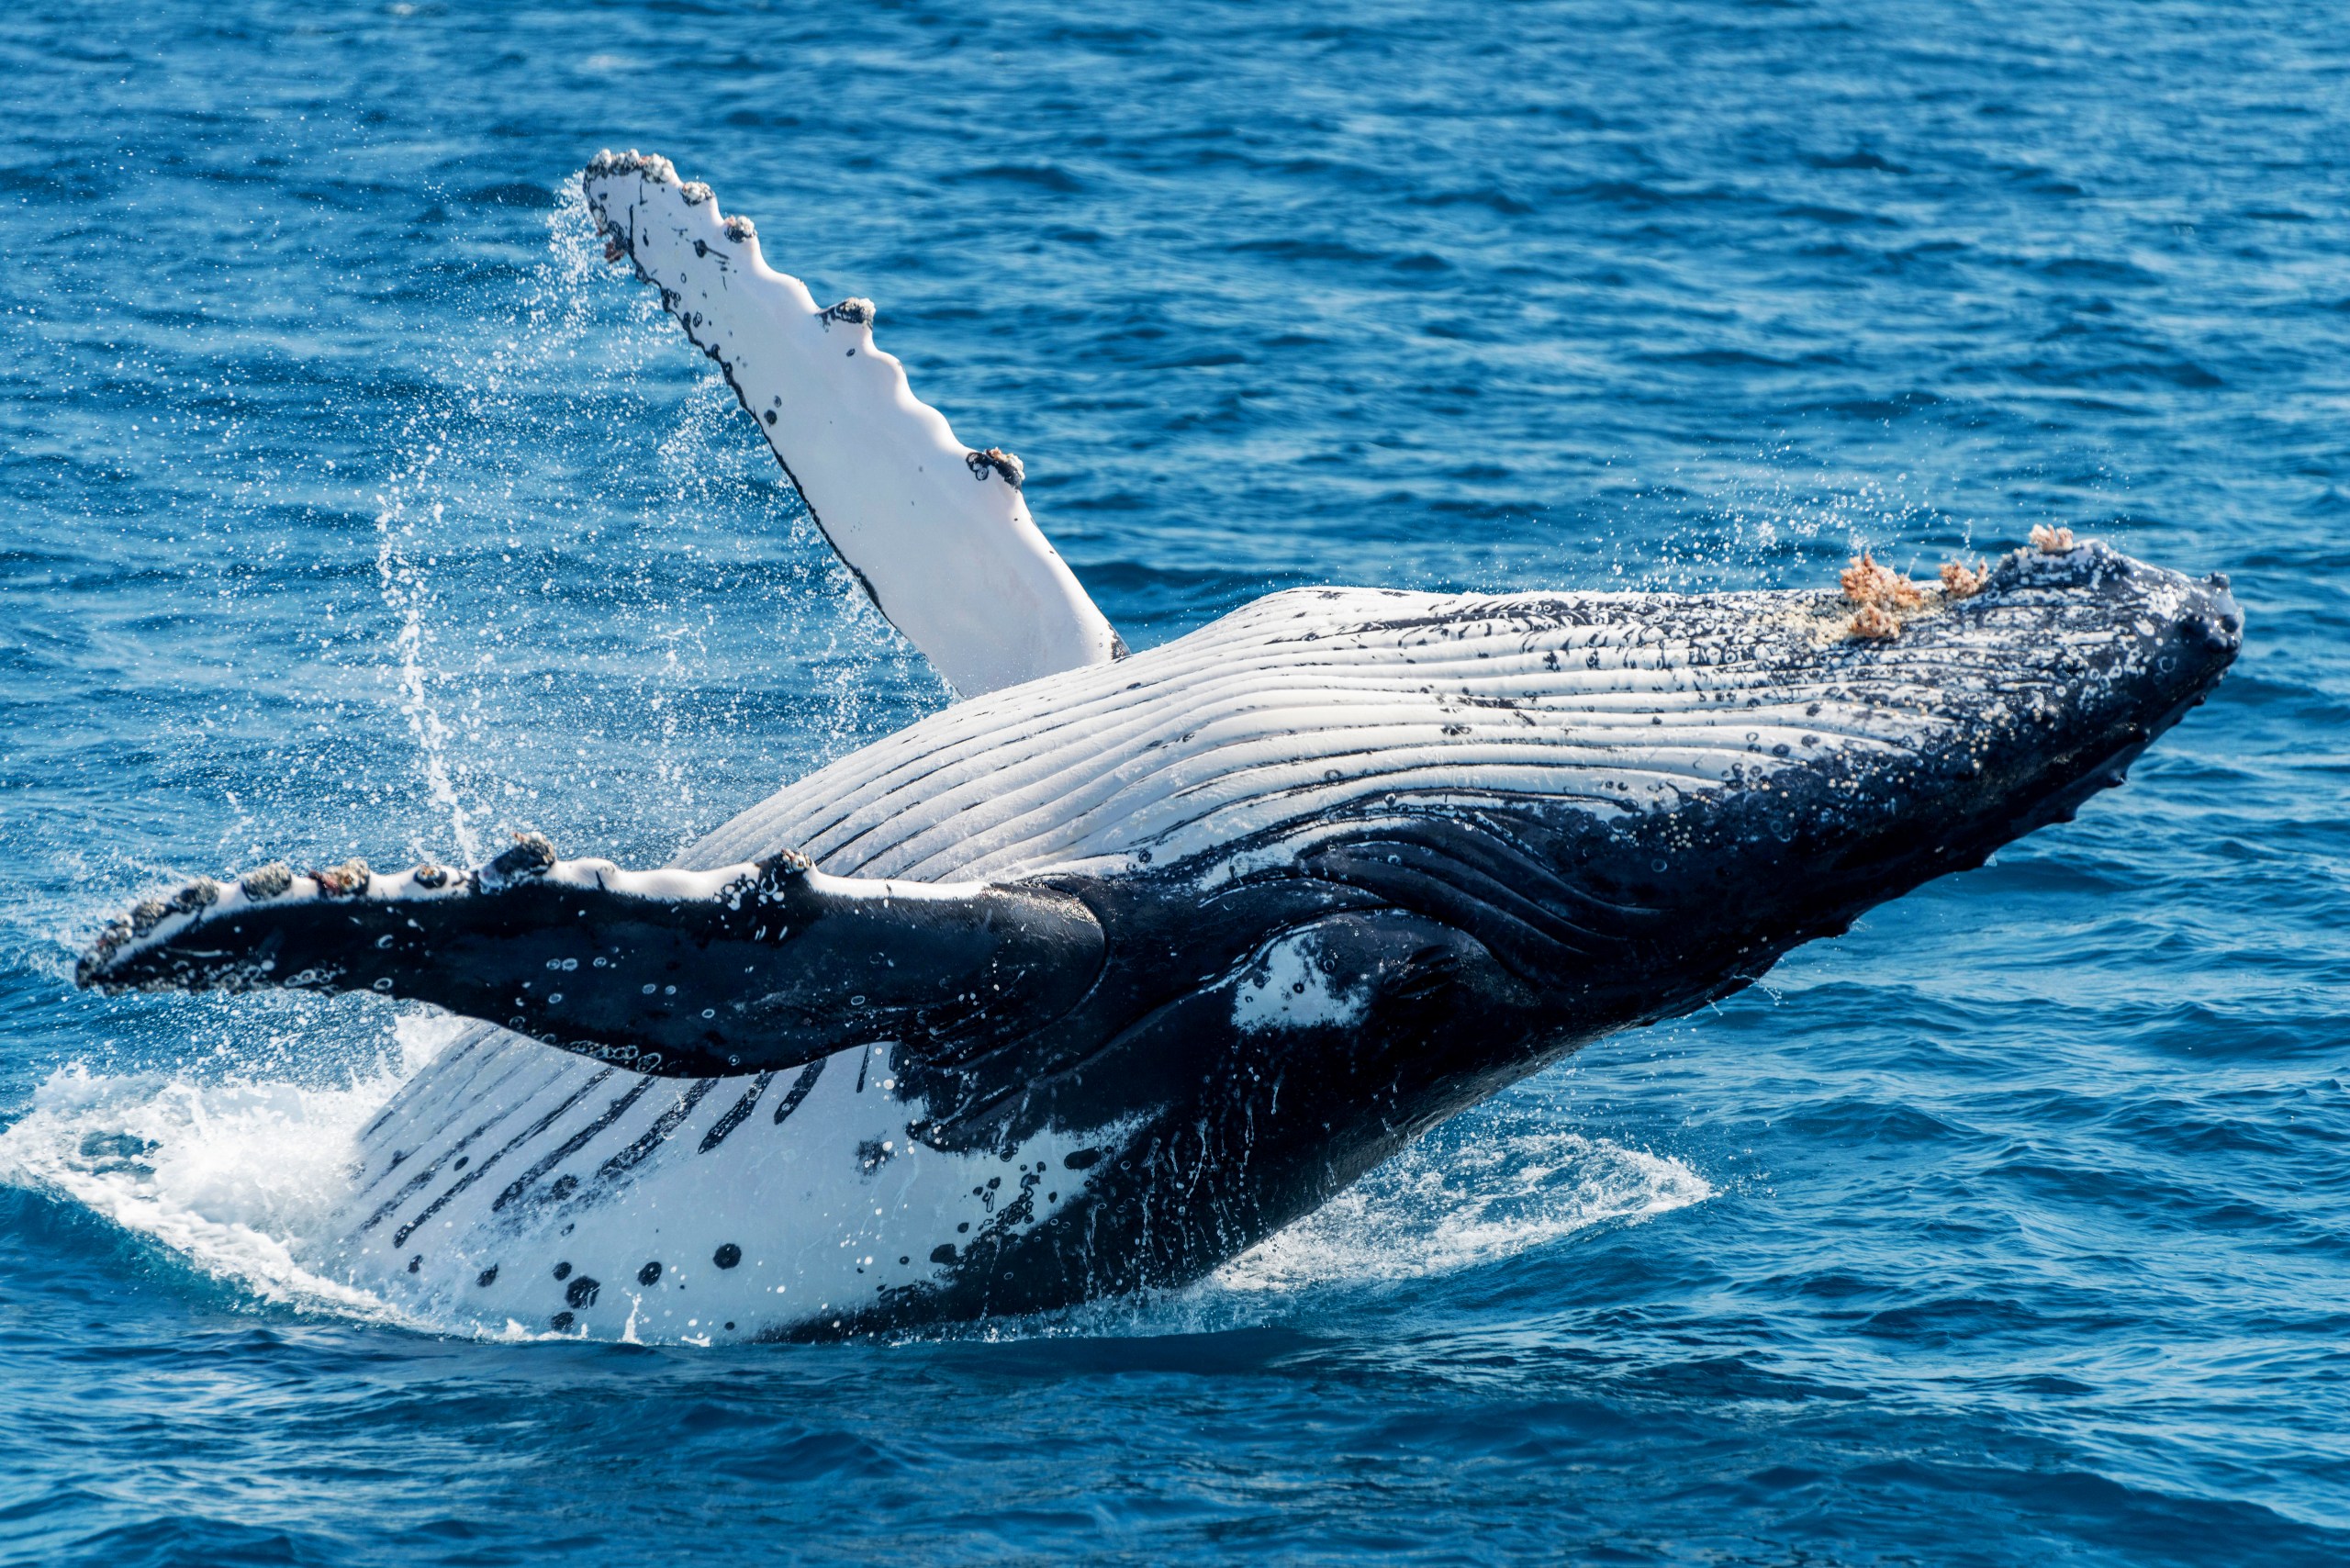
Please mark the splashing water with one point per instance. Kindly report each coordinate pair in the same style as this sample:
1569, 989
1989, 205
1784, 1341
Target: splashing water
1495, 1183
236, 1174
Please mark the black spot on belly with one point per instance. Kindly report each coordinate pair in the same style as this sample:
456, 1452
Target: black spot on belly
1082, 1159
729, 1326
650, 1275
943, 1253
727, 1254
563, 1271
560, 1321
564, 1187
581, 1292
416, 1263
488, 1277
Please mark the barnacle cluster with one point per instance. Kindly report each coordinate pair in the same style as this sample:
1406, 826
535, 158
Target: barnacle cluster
1882, 595
1866, 583
1879, 592
995, 460
1963, 581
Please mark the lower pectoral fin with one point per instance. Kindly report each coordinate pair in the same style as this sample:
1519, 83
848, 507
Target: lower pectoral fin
750, 967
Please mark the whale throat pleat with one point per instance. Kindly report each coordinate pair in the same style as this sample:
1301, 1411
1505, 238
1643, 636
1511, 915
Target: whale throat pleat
1313, 703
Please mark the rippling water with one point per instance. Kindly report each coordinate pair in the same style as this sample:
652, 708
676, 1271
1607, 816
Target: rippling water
352, 505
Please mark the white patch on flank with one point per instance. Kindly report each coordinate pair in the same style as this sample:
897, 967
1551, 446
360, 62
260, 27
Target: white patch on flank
817, 1215
1285, 987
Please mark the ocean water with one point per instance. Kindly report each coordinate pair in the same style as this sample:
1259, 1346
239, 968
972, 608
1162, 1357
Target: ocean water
349, 503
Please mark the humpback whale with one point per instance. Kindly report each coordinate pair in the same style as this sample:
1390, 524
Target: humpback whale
1121, 961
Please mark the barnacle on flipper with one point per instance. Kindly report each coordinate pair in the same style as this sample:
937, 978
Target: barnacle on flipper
995, 460
346, 881
267, 881
651, 164
531, 855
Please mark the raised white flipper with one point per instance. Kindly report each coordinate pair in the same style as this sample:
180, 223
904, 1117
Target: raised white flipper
938, 532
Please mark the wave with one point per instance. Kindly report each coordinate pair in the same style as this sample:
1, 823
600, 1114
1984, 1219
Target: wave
1487, 1188
237, 1176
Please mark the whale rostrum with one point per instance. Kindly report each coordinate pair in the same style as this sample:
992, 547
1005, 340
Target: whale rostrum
1091, 981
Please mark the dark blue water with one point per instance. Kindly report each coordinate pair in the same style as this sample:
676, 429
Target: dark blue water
349, 504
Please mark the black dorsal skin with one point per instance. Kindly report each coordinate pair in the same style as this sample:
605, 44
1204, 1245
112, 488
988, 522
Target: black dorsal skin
1441, 945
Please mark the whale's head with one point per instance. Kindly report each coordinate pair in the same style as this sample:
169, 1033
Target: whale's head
1972, 717
2039, 688
1738, 773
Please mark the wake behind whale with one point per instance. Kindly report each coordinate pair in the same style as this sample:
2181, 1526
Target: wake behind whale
1099, 977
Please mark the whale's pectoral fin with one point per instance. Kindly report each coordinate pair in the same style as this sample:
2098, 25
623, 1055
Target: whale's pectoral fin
690, 974
938, 532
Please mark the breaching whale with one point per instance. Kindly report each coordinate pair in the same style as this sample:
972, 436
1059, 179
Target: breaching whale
1119, 963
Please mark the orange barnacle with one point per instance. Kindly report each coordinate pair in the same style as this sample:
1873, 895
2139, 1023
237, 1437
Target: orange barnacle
1963, 581
1865, 582
1874, 625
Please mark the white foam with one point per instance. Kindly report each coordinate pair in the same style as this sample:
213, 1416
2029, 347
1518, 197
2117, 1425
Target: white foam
1511, 1185
238, 1176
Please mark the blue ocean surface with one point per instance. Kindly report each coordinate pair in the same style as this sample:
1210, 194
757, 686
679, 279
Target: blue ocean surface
351, 504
